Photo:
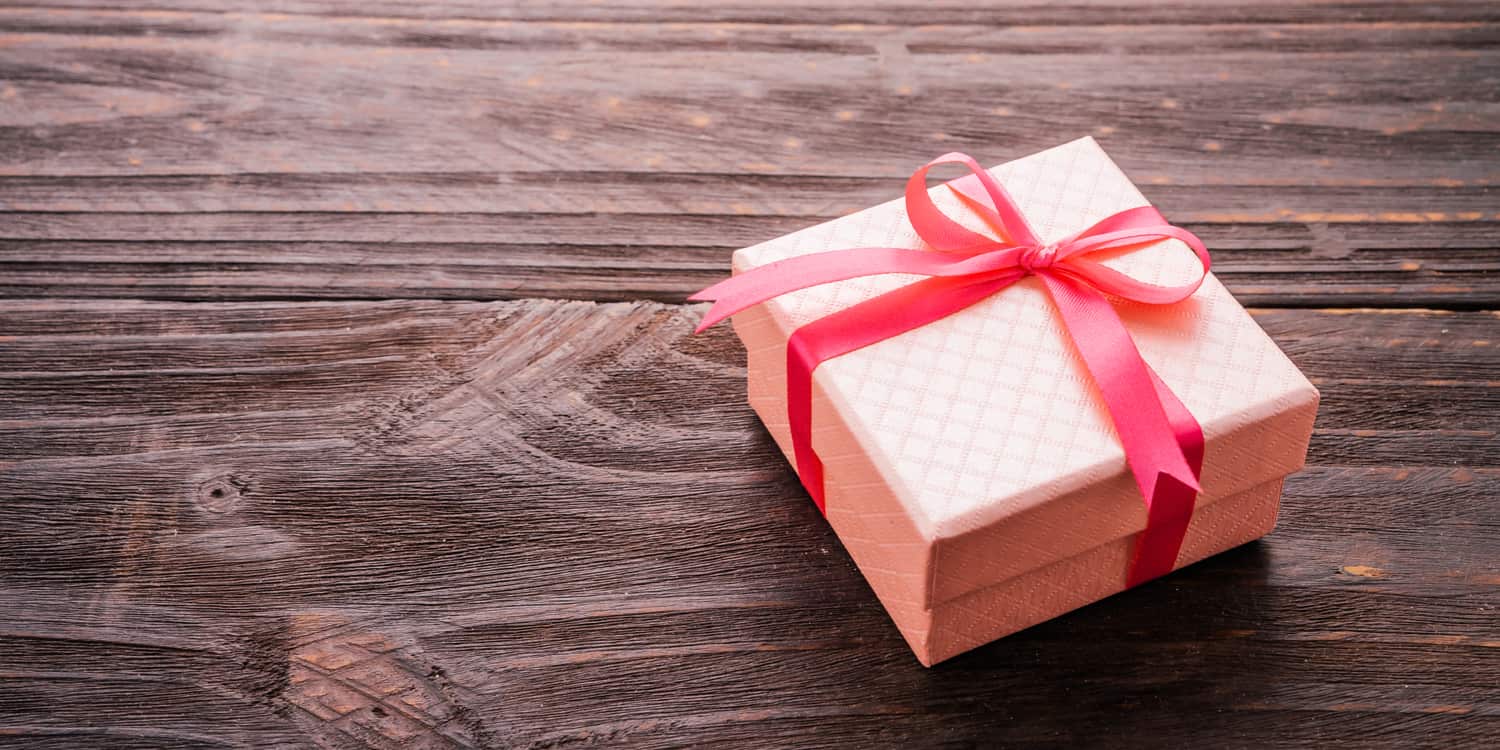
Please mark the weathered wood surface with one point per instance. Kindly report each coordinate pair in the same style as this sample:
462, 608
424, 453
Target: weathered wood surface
294, 454
1332, 156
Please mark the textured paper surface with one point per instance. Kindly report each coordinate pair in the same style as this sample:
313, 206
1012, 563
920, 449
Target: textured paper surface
974, 450
981, 616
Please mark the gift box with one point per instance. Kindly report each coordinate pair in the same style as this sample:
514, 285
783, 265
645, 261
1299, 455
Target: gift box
975, 465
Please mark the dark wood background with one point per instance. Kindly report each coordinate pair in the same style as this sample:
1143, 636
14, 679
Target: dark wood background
348, 399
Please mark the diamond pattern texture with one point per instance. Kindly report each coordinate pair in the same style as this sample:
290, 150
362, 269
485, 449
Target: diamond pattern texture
974, 450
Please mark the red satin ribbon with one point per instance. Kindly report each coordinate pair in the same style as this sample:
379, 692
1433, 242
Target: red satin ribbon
1163, 443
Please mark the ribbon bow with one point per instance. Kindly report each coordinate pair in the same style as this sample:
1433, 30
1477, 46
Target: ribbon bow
1163, 443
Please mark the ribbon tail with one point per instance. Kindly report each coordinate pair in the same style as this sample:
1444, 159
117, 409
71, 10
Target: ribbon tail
855, 327
792, 274
1189, 433
1153, 428
1167, 521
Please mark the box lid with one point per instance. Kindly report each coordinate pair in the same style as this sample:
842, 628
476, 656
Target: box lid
985, 427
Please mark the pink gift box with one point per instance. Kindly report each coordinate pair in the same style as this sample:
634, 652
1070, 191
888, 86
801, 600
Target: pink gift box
971, 469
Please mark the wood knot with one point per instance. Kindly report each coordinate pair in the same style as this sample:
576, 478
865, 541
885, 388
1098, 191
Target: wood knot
221, 494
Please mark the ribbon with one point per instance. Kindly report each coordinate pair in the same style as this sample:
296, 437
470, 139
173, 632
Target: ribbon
1163, 443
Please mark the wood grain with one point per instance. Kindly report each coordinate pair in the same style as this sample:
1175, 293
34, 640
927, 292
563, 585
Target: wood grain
472, 523
476, 154
348, 399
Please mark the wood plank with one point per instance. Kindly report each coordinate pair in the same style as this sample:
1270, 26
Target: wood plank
204, 526
622, 257
473, 80
1024, 30
213, 101
1209, 197
443, 157
844, 12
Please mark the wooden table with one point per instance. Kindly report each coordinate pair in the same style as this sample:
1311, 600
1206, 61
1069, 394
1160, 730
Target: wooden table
348, 397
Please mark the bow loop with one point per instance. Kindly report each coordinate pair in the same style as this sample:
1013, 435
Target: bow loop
1136, 235
984, 196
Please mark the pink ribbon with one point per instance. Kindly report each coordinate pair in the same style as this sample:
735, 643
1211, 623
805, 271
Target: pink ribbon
1163, 443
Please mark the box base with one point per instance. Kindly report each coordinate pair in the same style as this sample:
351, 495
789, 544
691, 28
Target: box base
972, 620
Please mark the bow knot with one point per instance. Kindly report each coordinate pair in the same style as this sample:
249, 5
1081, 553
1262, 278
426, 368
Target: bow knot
1036, 258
